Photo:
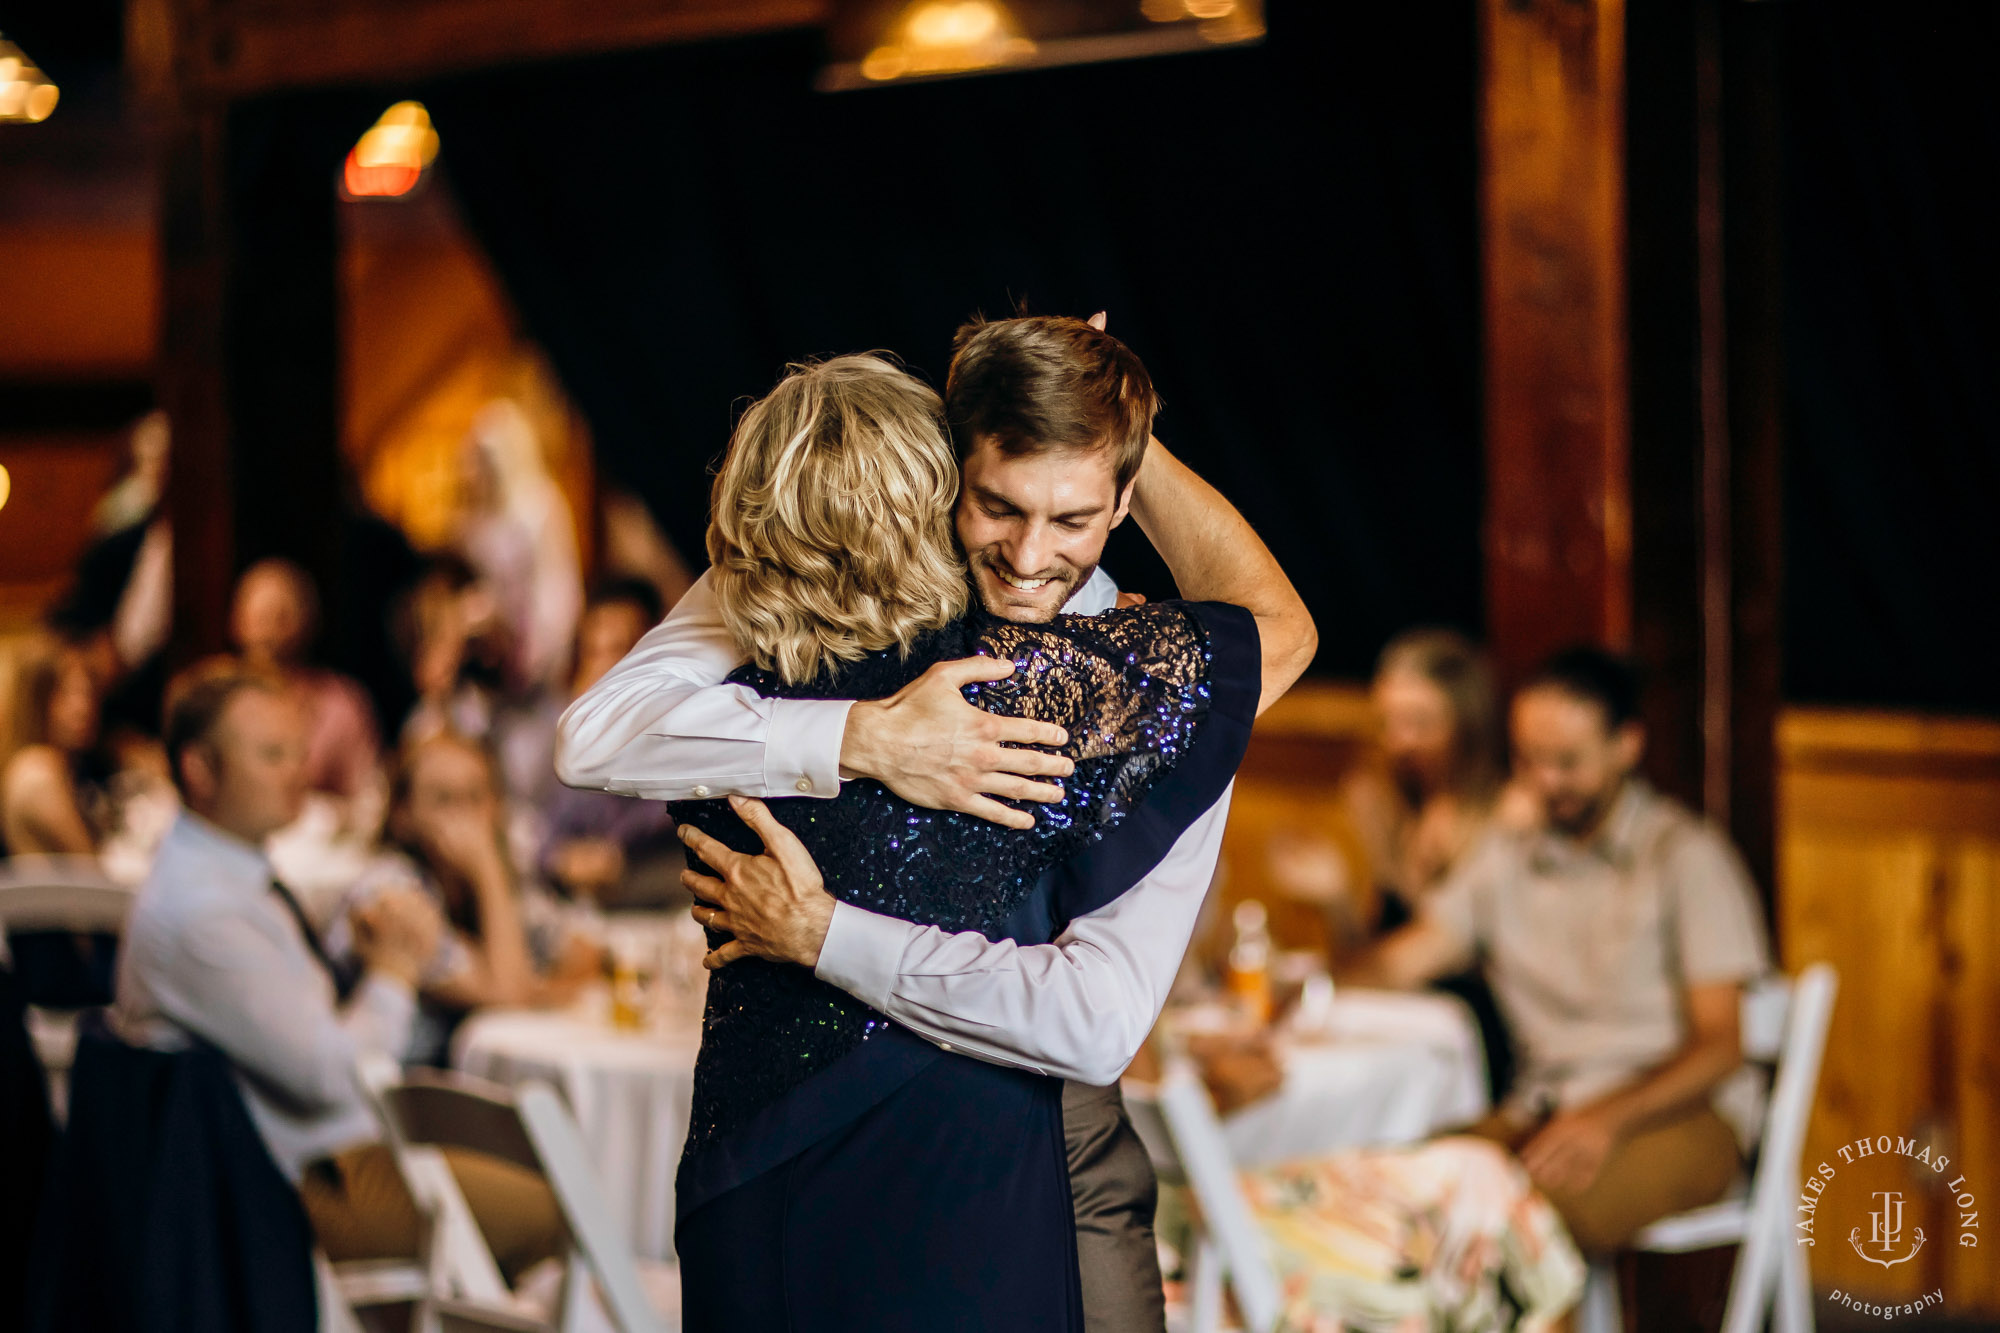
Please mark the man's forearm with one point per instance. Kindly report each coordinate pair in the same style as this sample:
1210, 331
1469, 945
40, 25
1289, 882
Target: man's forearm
1408, 957
1215, 555
1681, 1083
662, 723
1078, 1008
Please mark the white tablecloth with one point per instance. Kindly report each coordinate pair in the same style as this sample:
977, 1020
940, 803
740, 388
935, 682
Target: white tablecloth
1383, 1068
630, 1092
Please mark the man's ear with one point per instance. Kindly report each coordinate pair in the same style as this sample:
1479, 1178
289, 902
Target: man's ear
198, 774
1124, 503
1630, 745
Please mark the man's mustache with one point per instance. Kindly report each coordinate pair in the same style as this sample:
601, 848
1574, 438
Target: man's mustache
1001, 566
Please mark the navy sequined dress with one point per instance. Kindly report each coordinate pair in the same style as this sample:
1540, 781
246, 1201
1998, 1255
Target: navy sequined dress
841, 1172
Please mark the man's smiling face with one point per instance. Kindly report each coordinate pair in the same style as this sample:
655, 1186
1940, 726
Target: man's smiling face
1034, 524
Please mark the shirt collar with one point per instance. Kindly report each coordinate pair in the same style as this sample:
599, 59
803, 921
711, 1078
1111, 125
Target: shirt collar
1098, 594
1615, 840
228, 852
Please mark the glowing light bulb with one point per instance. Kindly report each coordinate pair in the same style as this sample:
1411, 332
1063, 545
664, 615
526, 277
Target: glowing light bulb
390, 158
42, 101
6, 485
941, 24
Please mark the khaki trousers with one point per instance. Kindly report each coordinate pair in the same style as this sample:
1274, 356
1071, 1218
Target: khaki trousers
1663, 1169
1112, 1186
360, 1208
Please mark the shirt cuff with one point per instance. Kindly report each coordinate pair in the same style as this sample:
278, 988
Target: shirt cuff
391, 997
802, 748
863, 954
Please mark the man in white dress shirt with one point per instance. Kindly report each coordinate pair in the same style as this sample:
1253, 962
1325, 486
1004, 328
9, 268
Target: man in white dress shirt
217, 950
1053, 422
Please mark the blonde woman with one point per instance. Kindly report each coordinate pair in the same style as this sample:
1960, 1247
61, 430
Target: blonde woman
841, 1172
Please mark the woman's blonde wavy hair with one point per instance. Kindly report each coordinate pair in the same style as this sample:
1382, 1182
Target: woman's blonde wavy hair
830, 526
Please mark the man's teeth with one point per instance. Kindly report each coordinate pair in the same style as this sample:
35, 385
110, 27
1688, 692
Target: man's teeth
1025, 585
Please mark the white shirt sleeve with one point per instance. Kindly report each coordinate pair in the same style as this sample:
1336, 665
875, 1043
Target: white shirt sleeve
662, 724
1077, 1009
241, 991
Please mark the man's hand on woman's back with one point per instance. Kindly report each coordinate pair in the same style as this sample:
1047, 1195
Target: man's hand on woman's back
929, 746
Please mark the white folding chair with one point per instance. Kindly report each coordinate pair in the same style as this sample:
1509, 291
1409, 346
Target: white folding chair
426, 1110
599, 1242
1784, 1025
1229, 1245
59, 893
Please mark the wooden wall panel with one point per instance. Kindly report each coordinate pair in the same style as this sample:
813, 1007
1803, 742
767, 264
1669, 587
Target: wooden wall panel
1863, 903
78, 302
1972, 1053
1890, 870
1304, 747
55, 483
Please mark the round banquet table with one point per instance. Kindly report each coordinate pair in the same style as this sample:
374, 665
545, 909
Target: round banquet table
1378, 1068
629, 1091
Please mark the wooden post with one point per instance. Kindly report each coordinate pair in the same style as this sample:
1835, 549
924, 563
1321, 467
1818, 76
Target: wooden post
283, 334
1558, 522
191, 383
249, 356
1633, 371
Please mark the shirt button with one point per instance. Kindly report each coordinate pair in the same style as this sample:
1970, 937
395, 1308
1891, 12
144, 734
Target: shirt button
700, 792
805, 784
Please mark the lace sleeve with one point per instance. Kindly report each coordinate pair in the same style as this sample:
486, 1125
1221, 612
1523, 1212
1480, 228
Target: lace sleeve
1132, 682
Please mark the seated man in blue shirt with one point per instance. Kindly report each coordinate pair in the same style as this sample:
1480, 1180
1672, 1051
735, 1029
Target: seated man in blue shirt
217, 950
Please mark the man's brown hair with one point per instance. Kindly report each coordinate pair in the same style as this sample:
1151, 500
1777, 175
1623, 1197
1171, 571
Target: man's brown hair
1049, 382
196, 700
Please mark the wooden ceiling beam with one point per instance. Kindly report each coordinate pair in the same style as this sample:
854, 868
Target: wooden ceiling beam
225, 51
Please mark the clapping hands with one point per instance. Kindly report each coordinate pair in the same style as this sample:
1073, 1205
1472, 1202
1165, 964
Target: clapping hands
397, 932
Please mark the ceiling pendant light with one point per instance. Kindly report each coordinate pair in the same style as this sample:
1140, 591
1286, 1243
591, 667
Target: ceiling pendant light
26, 94
877, 42
390, 159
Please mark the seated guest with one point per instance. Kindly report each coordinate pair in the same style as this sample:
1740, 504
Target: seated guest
1439, 788
592, 839
55, 801
52, 789
216, 950
505, 942
458, 647
1618, 939
1443, 767
523, 731
273, 621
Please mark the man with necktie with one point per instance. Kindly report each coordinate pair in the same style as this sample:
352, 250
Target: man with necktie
217, 951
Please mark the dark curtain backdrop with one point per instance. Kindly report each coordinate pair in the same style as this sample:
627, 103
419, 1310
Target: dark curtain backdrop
1287, 235
1892, 289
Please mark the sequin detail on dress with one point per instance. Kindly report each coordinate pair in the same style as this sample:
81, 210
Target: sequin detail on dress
1132, 690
